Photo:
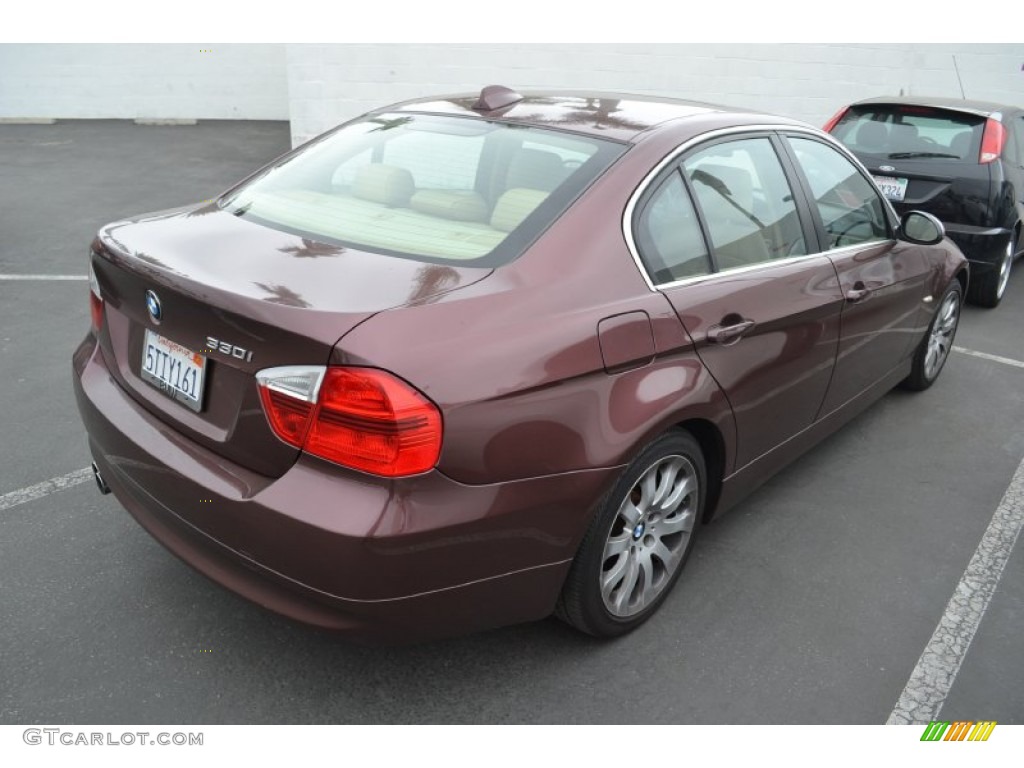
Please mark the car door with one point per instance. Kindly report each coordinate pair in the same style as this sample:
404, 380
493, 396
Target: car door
722, 238
882, 280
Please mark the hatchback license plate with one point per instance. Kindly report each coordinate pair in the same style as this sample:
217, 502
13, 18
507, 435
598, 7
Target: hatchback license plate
892, 188
173, 369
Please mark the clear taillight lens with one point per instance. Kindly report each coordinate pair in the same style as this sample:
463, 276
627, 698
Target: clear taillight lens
363, 418
95, 299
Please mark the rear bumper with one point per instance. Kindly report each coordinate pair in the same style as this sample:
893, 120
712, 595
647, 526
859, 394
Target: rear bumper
983, 246
379, 560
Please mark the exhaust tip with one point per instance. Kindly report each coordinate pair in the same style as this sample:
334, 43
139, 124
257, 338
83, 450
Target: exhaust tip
100, 482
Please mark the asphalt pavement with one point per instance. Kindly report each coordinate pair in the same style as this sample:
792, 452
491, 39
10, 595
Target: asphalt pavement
810, 603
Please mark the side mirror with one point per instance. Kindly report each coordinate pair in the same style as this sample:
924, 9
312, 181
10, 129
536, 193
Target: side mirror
921, 228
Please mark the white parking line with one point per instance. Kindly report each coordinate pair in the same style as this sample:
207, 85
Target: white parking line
45, 488
43, 277
936, 670
987, 356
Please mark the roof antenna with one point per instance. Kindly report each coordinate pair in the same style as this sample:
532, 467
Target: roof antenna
958, 80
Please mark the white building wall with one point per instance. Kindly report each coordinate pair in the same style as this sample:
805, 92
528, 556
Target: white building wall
243, 82
332, 83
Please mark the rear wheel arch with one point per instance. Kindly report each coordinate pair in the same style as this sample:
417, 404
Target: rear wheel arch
712, 445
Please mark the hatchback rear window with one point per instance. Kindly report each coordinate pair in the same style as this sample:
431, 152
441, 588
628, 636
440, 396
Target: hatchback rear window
899, 132
434, 188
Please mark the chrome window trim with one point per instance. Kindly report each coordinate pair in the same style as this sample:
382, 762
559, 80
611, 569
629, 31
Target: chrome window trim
634, 199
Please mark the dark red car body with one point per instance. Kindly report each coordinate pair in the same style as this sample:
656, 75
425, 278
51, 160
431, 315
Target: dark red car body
550, 372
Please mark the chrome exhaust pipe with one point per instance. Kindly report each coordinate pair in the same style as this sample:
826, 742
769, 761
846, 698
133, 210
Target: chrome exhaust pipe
100, 482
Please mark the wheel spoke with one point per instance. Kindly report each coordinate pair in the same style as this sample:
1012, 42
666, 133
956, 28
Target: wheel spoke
629, 581
617, 544
612, 577
666, 481
647, 588
681, 523
648, 489
630, 513
667, 556
682, 489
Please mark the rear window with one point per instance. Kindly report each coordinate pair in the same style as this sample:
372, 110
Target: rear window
433, 188
899, 132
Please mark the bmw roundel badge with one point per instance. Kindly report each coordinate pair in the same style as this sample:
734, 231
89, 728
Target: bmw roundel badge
153, 305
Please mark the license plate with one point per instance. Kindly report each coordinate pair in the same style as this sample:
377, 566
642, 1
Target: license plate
892, 188
173, 369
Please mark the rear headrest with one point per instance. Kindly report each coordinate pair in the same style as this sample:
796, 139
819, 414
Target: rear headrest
385, 184
514, 206
872, 135
450, 204
535, 169
961, 144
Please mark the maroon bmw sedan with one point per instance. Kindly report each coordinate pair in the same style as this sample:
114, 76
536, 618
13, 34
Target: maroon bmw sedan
472, 361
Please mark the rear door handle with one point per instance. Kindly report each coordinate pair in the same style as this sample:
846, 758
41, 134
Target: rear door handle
859, 292
726, 334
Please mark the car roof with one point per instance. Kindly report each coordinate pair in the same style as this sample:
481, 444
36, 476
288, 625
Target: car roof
618, 116
982, 108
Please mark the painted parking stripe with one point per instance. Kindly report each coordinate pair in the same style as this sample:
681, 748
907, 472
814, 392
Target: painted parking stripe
45, 488
42, 277
936, 670
987, 356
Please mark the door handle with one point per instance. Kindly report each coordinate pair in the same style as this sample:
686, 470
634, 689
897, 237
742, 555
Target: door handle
856, 294
726, 334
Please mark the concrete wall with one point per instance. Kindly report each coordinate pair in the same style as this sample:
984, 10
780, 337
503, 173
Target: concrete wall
244, 82
331, 83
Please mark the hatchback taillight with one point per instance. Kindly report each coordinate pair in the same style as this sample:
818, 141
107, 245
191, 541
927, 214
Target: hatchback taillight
95, 300
992, 141
835, 119
363, 418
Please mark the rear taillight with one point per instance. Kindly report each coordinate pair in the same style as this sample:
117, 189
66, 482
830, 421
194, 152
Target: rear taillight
362, 418
835, 119
95, 300
992, 141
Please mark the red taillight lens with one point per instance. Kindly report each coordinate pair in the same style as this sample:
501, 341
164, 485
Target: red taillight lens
95, 300
362, 418
992, 141
835, 119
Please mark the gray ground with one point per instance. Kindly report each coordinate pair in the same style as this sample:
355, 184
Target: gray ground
811, 603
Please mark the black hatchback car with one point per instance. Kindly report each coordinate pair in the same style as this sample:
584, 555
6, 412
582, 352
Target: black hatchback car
962, 161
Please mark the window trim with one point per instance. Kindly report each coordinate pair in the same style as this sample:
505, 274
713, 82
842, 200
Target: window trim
772, 131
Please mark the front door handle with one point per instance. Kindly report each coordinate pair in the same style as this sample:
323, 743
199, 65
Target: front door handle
727, 334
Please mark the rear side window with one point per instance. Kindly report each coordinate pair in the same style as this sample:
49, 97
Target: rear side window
851, 210
746, 202
668, 236
899, 132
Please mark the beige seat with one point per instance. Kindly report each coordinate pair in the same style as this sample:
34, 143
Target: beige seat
385, 184
457, 205
514, 206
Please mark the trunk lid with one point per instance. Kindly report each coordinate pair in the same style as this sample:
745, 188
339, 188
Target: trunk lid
244, 297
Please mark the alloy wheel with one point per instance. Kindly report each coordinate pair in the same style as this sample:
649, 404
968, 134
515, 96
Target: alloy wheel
1004, 270
649, 535
940, 339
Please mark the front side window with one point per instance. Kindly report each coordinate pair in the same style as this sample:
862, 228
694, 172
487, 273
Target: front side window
433, 188
851, 209
746, 202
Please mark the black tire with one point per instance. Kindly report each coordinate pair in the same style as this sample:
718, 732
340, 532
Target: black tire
988, 289
670, 463
940, 334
